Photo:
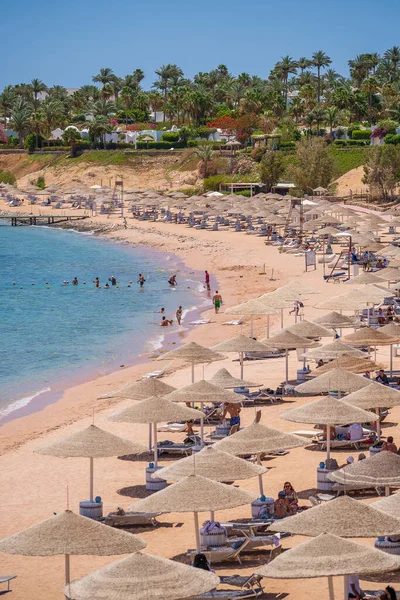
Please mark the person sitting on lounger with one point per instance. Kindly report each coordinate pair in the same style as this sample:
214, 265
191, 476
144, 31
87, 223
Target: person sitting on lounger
200, 562
389, 445
355, 432
382, 377
388, 594
354, 590
281, 506
291, 497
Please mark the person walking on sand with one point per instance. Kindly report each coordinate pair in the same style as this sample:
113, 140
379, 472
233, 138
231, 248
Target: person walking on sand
125, 223
217, 301
296, 308
207, 280
141, 280
178, 314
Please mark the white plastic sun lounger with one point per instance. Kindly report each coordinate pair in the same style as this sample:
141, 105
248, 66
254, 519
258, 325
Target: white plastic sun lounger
6, 579
156, 374
172, 428
238, 321
200, 322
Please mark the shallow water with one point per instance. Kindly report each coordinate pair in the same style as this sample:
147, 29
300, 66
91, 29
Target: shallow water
52, 332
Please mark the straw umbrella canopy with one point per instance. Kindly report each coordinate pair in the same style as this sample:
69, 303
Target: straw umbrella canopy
240, 344
139, 390
204, 391
381, 469
224, 379
364, 278
328, 555
155, 410
327, 231
366, 336
308, 329
91, 442
142, 577
288, 340
393, 331
70, 534
390, 274
194, 494
330, 412
375, 396
350, 363
337, 379
335, 320
390, 505
255, 306
213, 464
259, 439
344, 517
333, 350
193, 353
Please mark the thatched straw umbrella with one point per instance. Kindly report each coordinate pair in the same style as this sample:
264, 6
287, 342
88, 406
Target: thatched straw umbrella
344, 517
140, 390
308, 329
335, 320
194, 494
255, 306
390, 505
193, 353
381, 469
327, 411
155, 410
91, 443
337, 379
375, 396
224, 379
240, 344
204, 391
366, 336
393, 330
349, 363
71, 534
143, 577
364, 278
328, 555
216, 465
288, 340
390, 274
334, 350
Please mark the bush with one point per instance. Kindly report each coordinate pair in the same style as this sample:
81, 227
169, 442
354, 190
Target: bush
388, 125
213, 183
30, 142
7, 177
204, 132
83, 145
357, 142
361, 134
258, 153
340, 143
13, 141
40, 182
287, 145
159, 145
192, 143
170, 136
392, 138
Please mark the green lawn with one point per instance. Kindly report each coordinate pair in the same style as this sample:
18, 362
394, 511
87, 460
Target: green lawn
344, 160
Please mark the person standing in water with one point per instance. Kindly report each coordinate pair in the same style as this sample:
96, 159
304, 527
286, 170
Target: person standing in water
172, 280
207, 280
217, 301
75, 281
141, 280
97, 282
113, 280
178, 314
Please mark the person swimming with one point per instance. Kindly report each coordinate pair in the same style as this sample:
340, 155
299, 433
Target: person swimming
113, 280
165, 322
172, 280
75, 281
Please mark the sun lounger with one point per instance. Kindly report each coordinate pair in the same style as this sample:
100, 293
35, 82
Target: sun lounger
251, 527
355, 444
262, 355
306, 433
114, 519
6, 579
238, 321
250, 587
260, 396
171, 448
157, 373
256, 541
200, 322
172, 428
344, 488
221, 436
222, 553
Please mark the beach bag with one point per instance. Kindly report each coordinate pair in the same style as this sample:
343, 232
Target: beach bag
213, 534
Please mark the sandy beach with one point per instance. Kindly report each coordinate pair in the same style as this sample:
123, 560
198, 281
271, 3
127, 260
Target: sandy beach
35, 486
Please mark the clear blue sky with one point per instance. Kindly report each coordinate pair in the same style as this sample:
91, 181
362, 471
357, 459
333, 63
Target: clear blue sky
66, 41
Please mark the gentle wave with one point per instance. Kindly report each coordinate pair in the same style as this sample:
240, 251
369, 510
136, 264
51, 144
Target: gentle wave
22, 402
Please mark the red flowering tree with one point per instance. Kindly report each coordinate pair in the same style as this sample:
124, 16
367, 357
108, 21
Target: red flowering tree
241, 127
140, 126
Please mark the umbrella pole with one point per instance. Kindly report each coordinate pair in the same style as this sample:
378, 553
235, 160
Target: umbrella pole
251, 326
67, 570
91, 480
202, 428
346, 587
150, 438
328, 442
281, 318
378, 424
196, 527
387, 490
260, 481
330, 588
267, 326
192, 371
155, 445
287, 365
241, 364
391, 360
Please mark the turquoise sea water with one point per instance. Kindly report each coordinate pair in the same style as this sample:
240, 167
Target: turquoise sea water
51, 333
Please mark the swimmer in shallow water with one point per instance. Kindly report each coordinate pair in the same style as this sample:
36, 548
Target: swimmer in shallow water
165, 322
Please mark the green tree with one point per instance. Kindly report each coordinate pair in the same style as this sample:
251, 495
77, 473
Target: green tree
393, 57
20, 119
37, 87
304, 63
205, 154
382, 171
272, 168
7, 99
104, 76
283, 68
127, 96
98, 127
332, 115
72, 136
314, 165
320, 60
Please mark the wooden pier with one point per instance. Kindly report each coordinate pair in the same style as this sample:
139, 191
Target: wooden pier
41, 219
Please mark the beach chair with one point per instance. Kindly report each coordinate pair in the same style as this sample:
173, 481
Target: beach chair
172, 428
200, 322
253, 527
156, 374
6, 579
261, 396
217, 436
250, 587
168, 447
222, 553
238, 321
354, 444
120, 518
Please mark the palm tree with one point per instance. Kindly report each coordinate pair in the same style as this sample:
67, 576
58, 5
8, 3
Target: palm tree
24, 90
393, 56
37, 87
115, 86
156, 102
309, 120
359, 68
331, 118
7, 99
320, 60
98, 127
51, 111
205, 153
103, 107
138, 75
72, 136
38, 124
127, 96
20, 115
211, 81
296, 109
283, 69
104, 76
320, 115
304, 63
373, 60
370, 86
